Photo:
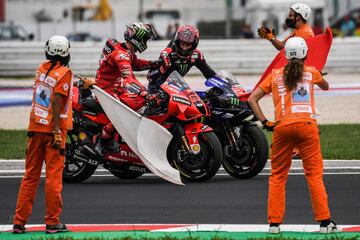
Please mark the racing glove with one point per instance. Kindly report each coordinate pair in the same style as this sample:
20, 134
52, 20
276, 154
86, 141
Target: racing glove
57, 138
153, 100
266, 33
268, 125
165, 61
155, 64
84, 83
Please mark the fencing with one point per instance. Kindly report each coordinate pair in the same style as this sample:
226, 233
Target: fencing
238, 56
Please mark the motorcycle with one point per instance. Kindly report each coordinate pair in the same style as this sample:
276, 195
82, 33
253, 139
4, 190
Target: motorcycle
244, 145
194, 149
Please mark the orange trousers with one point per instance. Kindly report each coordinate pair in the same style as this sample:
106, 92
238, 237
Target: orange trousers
39, 149
304, 136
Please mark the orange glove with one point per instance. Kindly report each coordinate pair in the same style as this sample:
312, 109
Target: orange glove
88, 83
84, 82
266, 33
268, 125
57, 138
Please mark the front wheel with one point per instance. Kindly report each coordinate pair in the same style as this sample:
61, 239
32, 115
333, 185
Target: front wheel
250, 157
199, 167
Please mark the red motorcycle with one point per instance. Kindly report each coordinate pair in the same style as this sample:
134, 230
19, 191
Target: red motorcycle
194, 149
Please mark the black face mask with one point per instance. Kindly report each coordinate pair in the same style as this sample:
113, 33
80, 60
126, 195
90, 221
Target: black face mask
290, 22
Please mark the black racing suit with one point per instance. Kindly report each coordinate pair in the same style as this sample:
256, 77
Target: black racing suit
180, 64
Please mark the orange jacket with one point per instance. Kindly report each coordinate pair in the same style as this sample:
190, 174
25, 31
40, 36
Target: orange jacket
297, 105
59, 80
305, 31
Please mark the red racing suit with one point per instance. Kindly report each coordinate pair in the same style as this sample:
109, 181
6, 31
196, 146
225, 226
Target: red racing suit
115, 75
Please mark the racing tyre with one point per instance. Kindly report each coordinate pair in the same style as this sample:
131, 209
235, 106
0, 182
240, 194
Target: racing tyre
251, 157
199, 167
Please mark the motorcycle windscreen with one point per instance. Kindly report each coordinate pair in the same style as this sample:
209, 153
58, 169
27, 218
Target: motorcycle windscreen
145, 137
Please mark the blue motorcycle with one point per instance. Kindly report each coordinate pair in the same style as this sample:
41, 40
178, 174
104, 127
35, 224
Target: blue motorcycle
245, 146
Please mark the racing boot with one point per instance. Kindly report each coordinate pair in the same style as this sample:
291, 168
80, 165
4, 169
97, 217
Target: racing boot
103, 146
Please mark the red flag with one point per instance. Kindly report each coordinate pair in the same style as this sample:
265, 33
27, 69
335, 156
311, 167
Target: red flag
319, 47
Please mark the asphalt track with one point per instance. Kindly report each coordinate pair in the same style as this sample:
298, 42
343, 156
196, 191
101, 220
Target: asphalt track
222, 200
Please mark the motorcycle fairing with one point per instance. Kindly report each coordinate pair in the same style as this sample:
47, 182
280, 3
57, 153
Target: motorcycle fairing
125, 154
184, 103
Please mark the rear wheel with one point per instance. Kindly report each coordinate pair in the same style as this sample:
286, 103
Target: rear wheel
74, 170
199, 167
249, 159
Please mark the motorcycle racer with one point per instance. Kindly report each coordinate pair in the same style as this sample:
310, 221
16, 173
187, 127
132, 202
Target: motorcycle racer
115, 73
180, 55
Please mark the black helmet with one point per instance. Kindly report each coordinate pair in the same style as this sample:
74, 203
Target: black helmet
138, 34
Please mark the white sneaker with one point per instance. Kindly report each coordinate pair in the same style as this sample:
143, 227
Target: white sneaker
274, 229
330, 228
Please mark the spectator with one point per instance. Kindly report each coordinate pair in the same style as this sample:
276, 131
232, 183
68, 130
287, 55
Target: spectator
357, 29
348, 26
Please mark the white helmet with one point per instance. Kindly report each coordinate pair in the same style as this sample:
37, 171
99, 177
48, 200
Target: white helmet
302, 9
295, 47
57, 45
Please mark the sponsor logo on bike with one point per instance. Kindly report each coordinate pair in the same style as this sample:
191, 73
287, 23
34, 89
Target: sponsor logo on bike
171, 88
88, 112
137, 169
203, 127
181, 100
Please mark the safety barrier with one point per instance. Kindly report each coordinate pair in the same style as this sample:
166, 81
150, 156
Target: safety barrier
237, 56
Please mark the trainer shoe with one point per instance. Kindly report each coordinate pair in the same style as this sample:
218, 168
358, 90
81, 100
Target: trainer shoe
18, 229
56, 228
274, 228
329, 226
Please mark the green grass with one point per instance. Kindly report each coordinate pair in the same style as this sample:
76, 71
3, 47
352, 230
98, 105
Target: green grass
12, 144
340, 141
337, 142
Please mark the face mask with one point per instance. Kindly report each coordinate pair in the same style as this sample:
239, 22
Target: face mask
290, 22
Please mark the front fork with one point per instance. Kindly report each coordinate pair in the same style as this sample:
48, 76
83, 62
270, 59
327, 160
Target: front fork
189, 136
235, 142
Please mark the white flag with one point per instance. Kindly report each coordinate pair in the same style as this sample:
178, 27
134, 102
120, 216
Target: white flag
145, 137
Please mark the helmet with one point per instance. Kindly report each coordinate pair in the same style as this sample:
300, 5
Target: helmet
295, 47
302, 9
57, 46
138, 34
188, 34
